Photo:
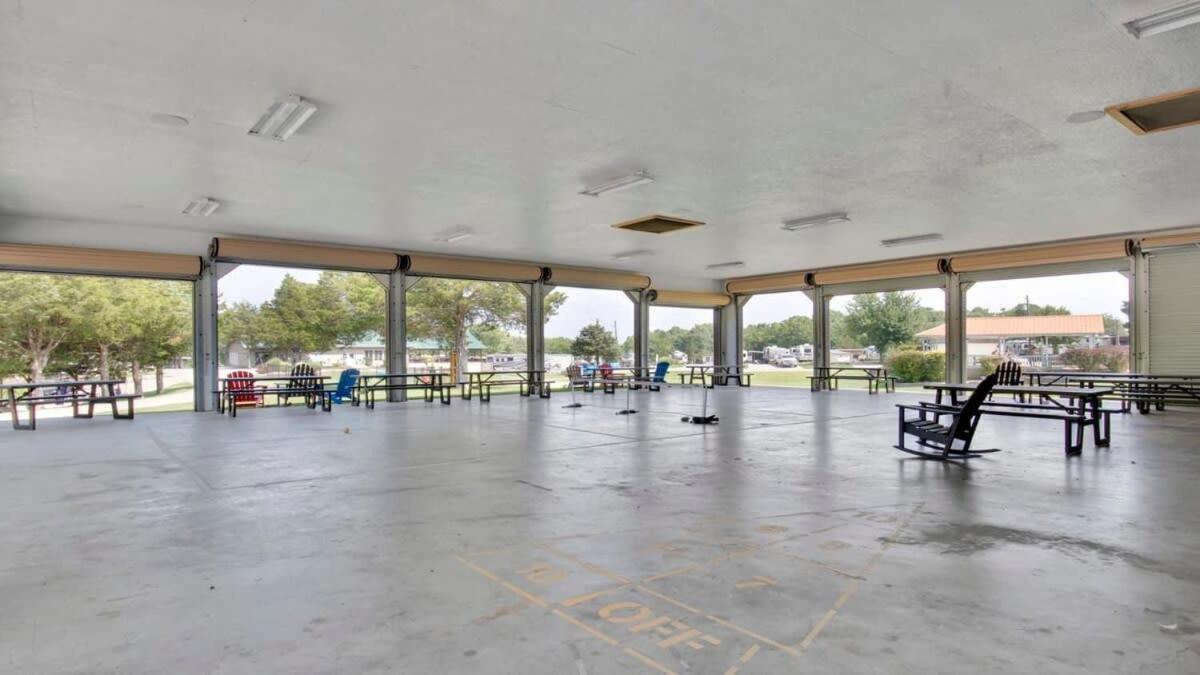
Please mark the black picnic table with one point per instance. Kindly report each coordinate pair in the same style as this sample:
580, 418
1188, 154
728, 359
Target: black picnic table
826, 377
429, 382
528, 380
1076, 407
1144, 390
311, 387
77, 391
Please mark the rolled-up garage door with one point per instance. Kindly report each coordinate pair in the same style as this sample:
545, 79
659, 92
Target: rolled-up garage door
1174, 312
296, 254
591, 278
422, 265
108, 262
697, 299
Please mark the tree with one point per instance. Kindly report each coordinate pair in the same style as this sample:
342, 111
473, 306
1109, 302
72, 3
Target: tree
1114, 326
38, 312
559, 345
444, 309
239, 322
156, 325
595, 343
792, 331
884, 319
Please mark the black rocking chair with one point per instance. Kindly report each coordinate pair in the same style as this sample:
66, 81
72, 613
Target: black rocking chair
932, 434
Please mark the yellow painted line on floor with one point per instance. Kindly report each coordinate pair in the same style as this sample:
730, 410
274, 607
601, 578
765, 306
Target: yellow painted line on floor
669, 599
490, 575
853, 584
580, 599
648, 661
750, 653
670, 573
749, 633
596, 633
586, 565
478, 569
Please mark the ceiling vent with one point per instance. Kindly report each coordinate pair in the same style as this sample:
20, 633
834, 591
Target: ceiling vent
1159, 113
658, 224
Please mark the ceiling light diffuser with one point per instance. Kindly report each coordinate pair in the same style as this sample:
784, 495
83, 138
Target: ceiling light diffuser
1167, 20
914, 239
204, 206
457, 235
630, 255
283, 118
725, 265
816, 221
618, 184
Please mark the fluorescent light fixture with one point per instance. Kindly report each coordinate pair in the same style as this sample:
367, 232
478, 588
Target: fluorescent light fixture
1167, 20
796, 224
914, 239
734, 264
283, 118
618, 184
630, 255
203, 206
457, 235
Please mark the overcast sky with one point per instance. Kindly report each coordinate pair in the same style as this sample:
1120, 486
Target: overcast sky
1081, 294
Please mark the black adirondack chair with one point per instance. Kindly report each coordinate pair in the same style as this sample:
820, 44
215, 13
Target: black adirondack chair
939, 438
299, 370
1009, 373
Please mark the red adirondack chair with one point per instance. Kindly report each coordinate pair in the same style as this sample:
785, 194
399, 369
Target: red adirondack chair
245, 393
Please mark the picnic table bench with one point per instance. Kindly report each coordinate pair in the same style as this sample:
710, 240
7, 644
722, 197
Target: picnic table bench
827, 378
90, 392
527, 380
428, 383
1142, 390
1075, 407
309, 387
711, 375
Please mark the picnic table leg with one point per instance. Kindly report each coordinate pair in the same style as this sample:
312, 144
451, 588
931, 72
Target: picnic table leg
1099, 437
16, 417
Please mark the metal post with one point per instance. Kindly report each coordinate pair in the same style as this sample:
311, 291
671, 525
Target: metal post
206, 352
641, 329
956, 325
397, 329
1139, 313
820, 326
535, 331
727, 333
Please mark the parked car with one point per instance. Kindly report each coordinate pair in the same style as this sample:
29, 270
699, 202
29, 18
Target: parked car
787, 362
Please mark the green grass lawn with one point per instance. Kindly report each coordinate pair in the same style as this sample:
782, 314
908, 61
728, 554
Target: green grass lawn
799, 377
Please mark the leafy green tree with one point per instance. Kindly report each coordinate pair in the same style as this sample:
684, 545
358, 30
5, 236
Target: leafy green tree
38, 312
840, 335
596, 343
238, 322
884, 319
790, 332
1114, 326
559, 345
444, 309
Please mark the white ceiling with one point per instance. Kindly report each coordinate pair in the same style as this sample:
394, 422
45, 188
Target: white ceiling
915, 116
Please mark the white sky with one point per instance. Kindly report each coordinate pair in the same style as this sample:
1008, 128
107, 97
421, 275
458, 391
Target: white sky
1081, 293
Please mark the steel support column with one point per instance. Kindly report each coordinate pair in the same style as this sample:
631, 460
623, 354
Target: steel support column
1139, 313
956, 326
535, 330
820, 303
206, 352
397, 328
641, 328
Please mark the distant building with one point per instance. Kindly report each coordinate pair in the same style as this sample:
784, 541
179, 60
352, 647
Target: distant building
1015, 336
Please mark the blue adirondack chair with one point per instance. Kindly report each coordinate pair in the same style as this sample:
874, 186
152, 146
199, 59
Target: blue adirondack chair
660, 375
345, 385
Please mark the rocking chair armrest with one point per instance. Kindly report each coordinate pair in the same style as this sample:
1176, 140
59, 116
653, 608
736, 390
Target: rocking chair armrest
926, 405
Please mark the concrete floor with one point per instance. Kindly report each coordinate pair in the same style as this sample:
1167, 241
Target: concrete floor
520, 537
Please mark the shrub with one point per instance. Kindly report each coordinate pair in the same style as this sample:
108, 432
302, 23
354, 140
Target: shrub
989, 364
911, 365
1092, 359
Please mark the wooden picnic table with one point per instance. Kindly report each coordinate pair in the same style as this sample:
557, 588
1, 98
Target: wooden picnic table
1077, 407
527, 380
78, 391
709, 375
1052, 377
312, 387
429, 382
1144, 390
826, 377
